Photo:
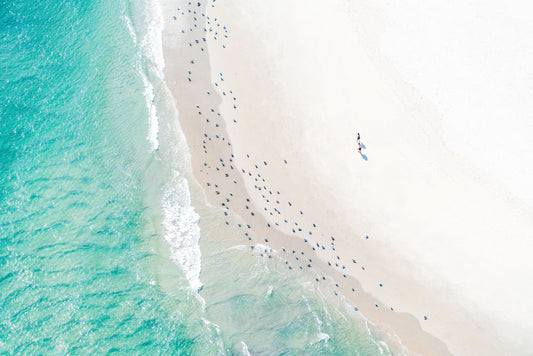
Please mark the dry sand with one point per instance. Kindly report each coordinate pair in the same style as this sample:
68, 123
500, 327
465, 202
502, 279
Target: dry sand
271, 97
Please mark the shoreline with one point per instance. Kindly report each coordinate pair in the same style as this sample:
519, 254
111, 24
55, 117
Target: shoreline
227, 167
421, 342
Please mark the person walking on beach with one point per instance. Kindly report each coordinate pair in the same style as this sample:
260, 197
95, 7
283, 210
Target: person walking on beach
360, 147
358, 138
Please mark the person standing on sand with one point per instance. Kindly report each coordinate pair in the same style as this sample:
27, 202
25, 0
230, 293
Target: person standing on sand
360, 147
358, 138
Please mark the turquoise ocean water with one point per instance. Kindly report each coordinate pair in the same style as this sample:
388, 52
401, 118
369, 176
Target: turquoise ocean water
100, 250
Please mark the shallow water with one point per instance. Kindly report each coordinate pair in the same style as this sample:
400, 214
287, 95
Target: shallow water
100, 250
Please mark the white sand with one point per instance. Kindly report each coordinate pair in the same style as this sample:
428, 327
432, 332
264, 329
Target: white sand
483, 51
447, 238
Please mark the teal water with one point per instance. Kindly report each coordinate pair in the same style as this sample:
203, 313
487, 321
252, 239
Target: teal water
93, 219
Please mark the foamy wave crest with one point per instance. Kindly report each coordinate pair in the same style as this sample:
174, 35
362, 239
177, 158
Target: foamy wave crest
130, 28
152, 41
151, 45
153, 119
181, 230
245, 349
210, 325
148, 91
321, 336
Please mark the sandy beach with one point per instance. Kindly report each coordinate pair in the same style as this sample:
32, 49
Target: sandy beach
428, 246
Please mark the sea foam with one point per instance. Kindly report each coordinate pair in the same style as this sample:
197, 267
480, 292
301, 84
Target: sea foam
179, 220
181, 230
131, 31
151, 45
153, 119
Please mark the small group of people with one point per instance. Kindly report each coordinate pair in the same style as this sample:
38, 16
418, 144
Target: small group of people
359, 143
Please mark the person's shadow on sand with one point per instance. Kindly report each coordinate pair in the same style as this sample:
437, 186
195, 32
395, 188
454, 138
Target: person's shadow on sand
362, 154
